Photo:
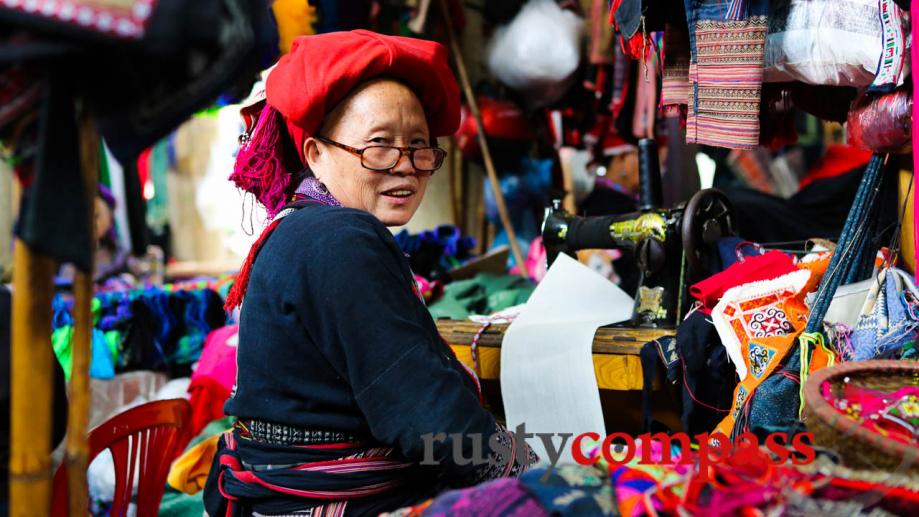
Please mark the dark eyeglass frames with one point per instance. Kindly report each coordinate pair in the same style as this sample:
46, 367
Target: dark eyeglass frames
381, 158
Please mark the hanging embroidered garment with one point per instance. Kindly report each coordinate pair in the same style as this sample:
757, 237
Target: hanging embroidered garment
726, 41
759, 323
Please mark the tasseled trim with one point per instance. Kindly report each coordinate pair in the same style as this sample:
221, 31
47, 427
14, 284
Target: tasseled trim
265, 160
235, 296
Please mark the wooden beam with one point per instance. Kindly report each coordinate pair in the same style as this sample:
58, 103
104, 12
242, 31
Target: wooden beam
607, 340
77, 449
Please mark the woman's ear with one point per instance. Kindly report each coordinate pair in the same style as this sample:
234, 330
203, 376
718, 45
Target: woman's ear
313, 155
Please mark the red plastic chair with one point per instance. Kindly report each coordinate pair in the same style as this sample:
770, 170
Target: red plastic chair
144, 441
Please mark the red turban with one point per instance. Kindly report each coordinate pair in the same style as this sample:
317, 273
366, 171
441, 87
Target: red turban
316, 75
321, 70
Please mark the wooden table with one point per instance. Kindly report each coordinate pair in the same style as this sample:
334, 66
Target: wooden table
615, 351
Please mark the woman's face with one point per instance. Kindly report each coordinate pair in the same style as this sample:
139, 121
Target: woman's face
380, 112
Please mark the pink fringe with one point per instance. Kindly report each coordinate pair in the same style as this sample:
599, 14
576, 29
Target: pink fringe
262, 165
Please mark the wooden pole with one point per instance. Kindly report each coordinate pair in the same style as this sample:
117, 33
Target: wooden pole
483, 141
80, 399
451, 180
459, 188
31, 383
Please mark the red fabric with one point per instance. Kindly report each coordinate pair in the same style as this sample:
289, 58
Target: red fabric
213, 378
235, 296
207, 397
771, 265
143, 168
838, 160
321, 70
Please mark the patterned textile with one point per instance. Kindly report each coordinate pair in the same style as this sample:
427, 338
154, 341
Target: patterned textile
121, 18
715, 68
500, 498
277, 434
893, 415
499, 466
312, 188
250, 476
758, 324
757, 311
893, 48
571, 490
675, 87
648, 489
728, 77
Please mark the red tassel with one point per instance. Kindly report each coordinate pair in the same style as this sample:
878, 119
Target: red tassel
235, 296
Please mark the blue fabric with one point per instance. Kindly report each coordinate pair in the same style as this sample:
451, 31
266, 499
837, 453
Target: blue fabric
571, 490
891, 325
102, 365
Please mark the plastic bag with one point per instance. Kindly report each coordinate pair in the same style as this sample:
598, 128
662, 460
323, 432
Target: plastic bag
882, 123
824, 42
538, 52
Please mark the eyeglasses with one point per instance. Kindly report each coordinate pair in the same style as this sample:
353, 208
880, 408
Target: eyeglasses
381, 158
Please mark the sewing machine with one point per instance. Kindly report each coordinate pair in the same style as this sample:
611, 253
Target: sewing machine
673, 247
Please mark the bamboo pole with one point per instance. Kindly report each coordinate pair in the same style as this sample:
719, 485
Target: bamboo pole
451, 184
483, 141
77, 452
31, 383
459, 189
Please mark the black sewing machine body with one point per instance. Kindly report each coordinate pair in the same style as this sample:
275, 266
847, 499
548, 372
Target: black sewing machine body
673, 247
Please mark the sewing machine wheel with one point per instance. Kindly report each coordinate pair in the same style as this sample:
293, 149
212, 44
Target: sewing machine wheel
708, 217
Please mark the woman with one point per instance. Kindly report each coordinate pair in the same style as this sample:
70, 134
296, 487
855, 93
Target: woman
342, 377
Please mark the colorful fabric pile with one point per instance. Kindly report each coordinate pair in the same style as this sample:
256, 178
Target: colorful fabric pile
144, 329
432, 253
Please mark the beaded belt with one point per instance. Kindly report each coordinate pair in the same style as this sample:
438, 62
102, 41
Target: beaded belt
277, 434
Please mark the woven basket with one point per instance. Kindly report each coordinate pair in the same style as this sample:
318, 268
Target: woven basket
858, 446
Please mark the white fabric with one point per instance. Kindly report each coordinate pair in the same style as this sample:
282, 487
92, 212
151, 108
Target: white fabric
752, 291
547, 372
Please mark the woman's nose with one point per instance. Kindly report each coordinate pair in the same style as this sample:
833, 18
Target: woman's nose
403, 166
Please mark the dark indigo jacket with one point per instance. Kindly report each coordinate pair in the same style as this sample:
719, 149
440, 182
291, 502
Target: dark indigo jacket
333, 336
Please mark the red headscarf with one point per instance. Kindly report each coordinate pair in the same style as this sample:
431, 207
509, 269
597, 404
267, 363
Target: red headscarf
313, 78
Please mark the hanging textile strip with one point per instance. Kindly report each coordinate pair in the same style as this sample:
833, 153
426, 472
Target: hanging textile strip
893, 48
728, 76
620, 81
675, 86
814, 356
852, 234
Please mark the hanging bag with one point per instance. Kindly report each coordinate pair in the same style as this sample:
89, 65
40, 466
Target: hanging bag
834, 42
888, 319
